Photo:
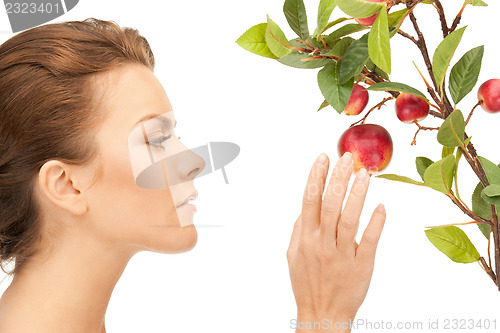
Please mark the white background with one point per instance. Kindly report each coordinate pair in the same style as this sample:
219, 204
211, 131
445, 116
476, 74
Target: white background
236, 279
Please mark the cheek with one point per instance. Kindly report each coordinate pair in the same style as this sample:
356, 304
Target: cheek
125, 213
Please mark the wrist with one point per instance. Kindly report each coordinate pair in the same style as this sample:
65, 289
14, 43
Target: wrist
329, 322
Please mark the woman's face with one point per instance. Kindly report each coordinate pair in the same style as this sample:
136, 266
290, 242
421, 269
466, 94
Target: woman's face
138, 130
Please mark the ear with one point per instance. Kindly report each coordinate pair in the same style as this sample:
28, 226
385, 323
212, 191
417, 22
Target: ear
57, 181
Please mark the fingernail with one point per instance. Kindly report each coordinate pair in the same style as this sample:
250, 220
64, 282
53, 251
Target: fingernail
322, 159
362, 174
346, 159
380, 208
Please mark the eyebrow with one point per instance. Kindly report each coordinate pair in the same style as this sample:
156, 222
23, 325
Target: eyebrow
167, 122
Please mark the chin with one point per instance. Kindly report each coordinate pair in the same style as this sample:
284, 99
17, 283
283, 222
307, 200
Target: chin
171, 240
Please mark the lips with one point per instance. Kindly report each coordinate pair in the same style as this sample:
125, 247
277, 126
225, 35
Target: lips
191, 197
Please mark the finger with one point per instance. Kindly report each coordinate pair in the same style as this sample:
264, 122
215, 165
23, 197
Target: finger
311, 202
294, 239
368, 245
331, 206
349, 219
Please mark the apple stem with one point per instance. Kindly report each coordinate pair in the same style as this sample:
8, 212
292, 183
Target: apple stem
379, 105
470, 114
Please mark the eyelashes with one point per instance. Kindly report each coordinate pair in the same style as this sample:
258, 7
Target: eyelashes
158, 142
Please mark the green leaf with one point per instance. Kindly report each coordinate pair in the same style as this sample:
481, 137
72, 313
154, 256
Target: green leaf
479, 3
492, 170
447, 151
323, 105
331, 24
379, 47
403, 179
344, 31
422, 164
254, 40
491, 194
396, 86
359, 8
439, 175
336, 94
453, 242
354, 59
443, 54
394, 18
492, 190
485, 229
276, 39
451, 132
459, 152
479, 206
340, 47
294, 58
464, 74
295, 13
325, 9
482, 209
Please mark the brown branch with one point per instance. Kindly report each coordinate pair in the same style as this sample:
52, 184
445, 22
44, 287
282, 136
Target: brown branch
442, 18
444, 105
414, 142
404, 34
487, 269
478, 168
468, 212
457, 19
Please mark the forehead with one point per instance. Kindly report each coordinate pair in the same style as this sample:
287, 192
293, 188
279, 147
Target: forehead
132, 92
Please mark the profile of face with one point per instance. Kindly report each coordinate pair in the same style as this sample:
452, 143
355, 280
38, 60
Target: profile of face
136, 135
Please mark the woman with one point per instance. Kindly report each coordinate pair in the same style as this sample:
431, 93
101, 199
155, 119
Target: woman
79, 111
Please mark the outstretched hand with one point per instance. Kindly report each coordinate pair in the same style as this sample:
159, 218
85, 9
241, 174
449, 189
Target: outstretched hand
329, 271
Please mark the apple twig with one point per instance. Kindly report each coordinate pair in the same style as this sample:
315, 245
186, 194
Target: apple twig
451, 224
406, 35
414, 142
471, 111
487, 269
457, 19
442, 18
378, 106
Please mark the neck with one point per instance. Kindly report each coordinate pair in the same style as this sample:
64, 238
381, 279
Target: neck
69, 286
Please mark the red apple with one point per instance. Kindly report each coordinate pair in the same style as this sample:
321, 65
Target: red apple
489, 93
357, 101
368, 21
370, 146
410, 108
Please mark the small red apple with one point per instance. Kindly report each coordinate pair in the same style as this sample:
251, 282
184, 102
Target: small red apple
368, 21
370, 146
410, 108
489, 93
357, 101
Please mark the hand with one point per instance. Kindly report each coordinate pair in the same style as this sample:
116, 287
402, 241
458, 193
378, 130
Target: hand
329, 271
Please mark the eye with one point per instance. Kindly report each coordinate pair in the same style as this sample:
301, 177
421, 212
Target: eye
158, 142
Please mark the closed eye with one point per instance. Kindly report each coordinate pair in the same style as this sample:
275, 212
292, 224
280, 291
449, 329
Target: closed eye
158, 142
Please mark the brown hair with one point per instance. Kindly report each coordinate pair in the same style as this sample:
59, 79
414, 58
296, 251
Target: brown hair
48, 110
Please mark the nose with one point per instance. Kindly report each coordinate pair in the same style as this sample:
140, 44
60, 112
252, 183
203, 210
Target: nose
191, 164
